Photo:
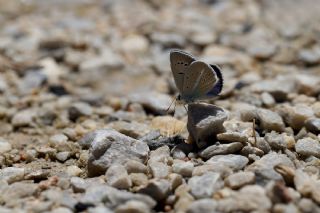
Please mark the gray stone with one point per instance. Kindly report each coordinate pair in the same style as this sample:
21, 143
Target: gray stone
4, 146
133, 166
109, 147
133, 206
16, 191
23, 118
100, 209
307, 205
313, 125
267, 99
61, 210
239, 179
249, 150
79, 109
203, 205
308, 147
264, 168
59, 197
161, 154
220, 168
263, 145
155, 102
112, 197
62, 156
118, 177
205, 121
204, 186
31, 81
139, 179
270, 120
157, 189
221, 149
279, 141
183, 168
247, 199
306, 185
12, 174
234, 162
232, 137
159, 169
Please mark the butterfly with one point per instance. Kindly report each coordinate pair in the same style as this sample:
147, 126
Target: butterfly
195, 80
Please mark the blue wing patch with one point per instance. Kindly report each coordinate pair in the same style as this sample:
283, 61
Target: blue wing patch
218, 86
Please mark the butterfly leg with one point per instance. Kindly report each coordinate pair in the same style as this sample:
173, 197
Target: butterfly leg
185, 108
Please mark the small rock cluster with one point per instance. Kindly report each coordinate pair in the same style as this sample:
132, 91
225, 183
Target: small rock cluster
84, 92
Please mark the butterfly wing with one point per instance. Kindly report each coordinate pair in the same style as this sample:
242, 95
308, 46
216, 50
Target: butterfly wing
219, 85
199, 79
179, 61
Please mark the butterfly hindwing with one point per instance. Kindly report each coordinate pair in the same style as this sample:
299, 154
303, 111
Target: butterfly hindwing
218, 86
199, 79
179, 61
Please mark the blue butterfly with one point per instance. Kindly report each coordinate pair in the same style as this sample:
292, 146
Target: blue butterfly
195, 80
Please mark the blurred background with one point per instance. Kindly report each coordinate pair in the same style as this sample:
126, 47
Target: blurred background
98, 49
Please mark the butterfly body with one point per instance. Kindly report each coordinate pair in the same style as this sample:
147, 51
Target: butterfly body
195, 80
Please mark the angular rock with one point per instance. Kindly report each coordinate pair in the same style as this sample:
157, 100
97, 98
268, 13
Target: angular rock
4, 146
112, 197
264, 168
204, 122
308, 147
279, 141
313, 125
79, 109
248, 199
234, 162
270, 120
221, 149
133, 166
157, 189
204, 186
203, 205
133, 206
118, 177
109, 147
239, 179
12, 174
183, 168
159, 169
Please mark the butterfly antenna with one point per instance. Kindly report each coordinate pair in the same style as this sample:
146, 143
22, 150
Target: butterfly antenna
185, 108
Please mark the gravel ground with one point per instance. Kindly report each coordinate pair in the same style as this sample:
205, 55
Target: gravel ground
84, 88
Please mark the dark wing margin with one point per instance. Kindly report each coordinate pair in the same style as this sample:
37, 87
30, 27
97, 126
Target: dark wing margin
219, 85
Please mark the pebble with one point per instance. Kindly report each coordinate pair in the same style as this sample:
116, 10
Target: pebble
232, 137
183, 168
113, 197
138, 179
161, 154
109, 147
267, 99
296, 116
118, 177
313, 125
175, 180
133, 207
247, 199
205, 121
205, 185
133, 166
73, 170
270, 120
23, 118
221, 149
62, 156
4, 146
264, 168
279, 141
308, 147
239, 179
32, 81
215, 167
157, 189
203, 205
307, 186
12, 174
61, 210
159, 169
135, 44
79, 109
234, 162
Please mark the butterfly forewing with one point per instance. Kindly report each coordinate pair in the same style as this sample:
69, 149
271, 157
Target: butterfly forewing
179, 61
199, 79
